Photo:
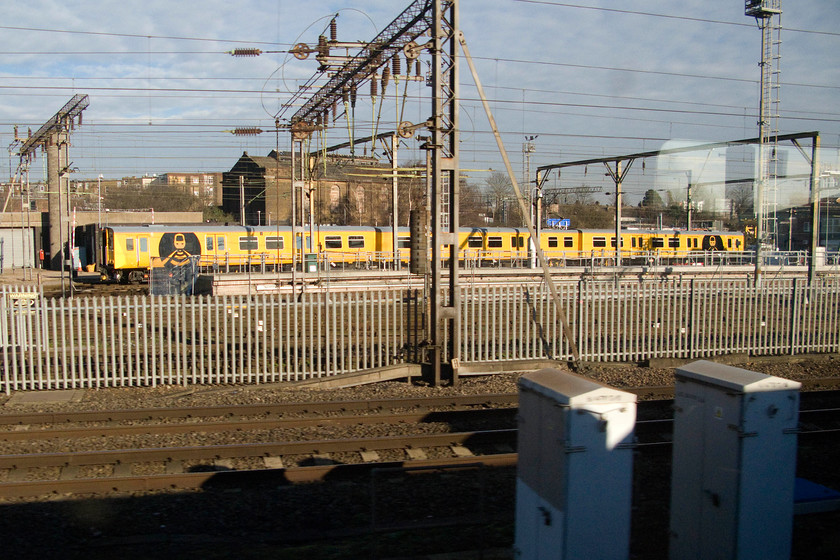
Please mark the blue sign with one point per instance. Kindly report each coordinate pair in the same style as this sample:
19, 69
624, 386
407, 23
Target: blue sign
560, 223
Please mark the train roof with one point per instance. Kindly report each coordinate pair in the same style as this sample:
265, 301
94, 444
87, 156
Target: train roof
215, 228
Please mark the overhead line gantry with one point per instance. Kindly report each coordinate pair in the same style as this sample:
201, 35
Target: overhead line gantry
439, 20
54, 137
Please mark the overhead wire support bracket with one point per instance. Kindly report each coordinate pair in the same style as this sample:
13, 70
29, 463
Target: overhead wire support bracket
409, 25
58, 122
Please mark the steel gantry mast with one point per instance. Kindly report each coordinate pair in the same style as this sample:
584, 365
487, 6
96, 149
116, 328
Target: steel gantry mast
402, 37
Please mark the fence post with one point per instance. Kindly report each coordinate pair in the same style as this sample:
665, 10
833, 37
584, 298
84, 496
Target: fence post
692, 313
794, 318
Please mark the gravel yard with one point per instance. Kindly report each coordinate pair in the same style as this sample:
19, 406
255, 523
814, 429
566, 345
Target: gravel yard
279, 521
616, 375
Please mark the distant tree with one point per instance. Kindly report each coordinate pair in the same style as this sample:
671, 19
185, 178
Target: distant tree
161, 198
651, 199
473, 206
741, 197
587, 215
215, 214
501, 199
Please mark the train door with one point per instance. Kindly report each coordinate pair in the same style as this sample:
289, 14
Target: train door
303, 246
143, 259
519, 246
213, 250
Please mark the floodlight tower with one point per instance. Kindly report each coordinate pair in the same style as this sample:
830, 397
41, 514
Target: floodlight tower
767, 14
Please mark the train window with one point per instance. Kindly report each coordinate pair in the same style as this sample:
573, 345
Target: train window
475, 242
129, 244
404, 242
520, 241
208, 243
356, 242
248, 243
674, 242
552, 242
332, 242
144, 245
568, 242
494, 241
729, 243
737, 243
599, 241
657, 242
274, 242
220, 243
633, 242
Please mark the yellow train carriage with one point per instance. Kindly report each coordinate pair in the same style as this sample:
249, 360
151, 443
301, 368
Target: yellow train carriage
385, 244
130, 251
493, 245
681, 243
342, 245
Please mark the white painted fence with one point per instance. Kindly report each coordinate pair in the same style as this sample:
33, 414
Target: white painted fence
146, 341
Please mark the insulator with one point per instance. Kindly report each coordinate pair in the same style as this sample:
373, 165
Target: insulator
246, 52
396, 63
323, 48
335, 110
353, 95
344, 95
333, 30
386, 75
373, 87
418, 69
247, 131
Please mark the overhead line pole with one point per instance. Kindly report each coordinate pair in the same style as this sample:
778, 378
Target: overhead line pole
523, 207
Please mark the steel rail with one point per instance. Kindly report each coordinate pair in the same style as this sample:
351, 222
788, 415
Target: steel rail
261, 449
446, 416
233, 479
264, 409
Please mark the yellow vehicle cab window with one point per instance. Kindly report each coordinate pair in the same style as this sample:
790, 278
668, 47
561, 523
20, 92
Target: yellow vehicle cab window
208, 243
129, 243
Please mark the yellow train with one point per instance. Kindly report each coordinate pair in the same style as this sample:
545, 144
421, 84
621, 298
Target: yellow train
129, 252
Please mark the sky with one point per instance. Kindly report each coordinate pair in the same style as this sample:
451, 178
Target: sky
585, 79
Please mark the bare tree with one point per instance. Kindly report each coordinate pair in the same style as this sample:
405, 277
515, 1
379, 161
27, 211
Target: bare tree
501, 200
741, 197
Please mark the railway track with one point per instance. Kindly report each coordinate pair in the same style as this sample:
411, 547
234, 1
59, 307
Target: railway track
157, 468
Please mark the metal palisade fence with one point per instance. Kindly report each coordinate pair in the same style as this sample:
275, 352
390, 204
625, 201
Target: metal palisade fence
114, 341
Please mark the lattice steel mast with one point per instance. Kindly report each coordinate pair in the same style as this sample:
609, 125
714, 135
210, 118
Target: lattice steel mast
440, 17
767, 14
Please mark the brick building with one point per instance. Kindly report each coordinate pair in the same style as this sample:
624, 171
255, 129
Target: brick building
342, 190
